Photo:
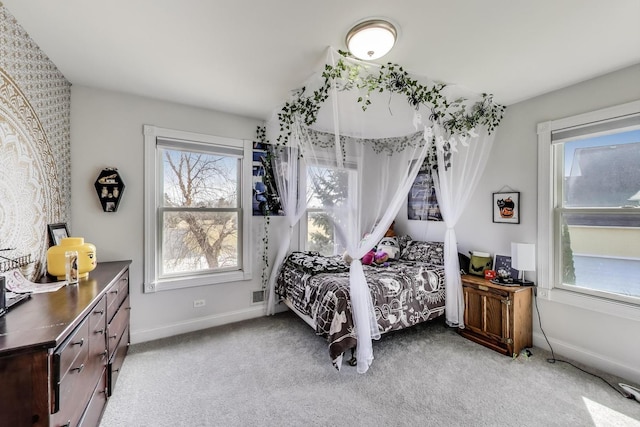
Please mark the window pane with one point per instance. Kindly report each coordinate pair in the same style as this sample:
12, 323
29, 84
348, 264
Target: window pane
327, 193
199, 241
602, 171
321, 234
602, 252
326, 187
194, 179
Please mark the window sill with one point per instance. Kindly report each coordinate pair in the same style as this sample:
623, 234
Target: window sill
592, 303
190, 282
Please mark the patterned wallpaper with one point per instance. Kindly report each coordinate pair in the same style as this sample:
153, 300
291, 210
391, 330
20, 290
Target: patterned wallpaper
35, 158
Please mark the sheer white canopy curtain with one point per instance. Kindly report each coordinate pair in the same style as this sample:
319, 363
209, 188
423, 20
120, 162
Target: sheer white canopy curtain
348, 146
455, 182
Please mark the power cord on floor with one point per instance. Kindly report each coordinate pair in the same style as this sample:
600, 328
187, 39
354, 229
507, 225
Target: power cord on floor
554, 359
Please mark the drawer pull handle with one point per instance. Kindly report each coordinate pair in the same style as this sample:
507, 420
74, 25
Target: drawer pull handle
113, 337
80, 343
483, 288
115, 292
105, 353
98, 312
67, 424
116, 370
79, 368
100, 331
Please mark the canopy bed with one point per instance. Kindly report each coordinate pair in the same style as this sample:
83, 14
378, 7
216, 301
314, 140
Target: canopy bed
404, 292
349, 144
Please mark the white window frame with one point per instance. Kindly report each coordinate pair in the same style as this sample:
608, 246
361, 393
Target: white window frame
152, 198
549, 282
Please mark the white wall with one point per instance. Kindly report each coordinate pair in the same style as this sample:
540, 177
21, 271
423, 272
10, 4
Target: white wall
106, 131
608, 342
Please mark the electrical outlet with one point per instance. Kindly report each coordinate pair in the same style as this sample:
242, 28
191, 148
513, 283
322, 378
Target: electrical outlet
198, 303
543, 293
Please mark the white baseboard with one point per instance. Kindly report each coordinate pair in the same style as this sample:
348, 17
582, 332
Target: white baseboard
606, 364
192, 325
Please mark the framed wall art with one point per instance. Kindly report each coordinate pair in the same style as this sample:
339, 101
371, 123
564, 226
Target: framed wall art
506, 207
422, 203
266, 199
57, 232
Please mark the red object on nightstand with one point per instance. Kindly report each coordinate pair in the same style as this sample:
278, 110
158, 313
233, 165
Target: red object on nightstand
489, 274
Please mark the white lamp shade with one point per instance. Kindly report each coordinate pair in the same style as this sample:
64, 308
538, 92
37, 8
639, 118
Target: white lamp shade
371, 39
523, 256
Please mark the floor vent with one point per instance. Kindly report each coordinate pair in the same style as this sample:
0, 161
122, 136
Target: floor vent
257, 296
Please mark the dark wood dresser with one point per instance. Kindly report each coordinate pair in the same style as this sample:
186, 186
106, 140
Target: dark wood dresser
60, 352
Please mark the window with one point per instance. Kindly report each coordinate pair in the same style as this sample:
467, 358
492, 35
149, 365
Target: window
196, 211
590, 221
329, 190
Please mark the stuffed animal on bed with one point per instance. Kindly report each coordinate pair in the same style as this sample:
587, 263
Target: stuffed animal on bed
390, 232
381, 257
368, 258
391, 246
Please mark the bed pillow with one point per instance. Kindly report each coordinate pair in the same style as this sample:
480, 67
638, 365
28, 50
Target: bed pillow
429, 252
314, 263
403, 241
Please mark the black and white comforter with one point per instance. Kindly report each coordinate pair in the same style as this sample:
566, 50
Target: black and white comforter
403, 294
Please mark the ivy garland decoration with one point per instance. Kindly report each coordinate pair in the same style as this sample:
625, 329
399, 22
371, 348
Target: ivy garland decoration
261, 136
451, 115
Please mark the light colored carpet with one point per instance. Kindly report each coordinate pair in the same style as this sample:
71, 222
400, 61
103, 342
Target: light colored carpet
274, 371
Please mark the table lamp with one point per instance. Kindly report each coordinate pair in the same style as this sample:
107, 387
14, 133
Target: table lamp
523, 258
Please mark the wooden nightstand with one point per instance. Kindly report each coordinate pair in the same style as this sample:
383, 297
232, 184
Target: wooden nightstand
497, 316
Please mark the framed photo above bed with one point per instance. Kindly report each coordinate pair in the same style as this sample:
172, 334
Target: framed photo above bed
422, 203
506, 207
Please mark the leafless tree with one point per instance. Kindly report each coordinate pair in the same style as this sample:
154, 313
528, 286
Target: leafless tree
203, 188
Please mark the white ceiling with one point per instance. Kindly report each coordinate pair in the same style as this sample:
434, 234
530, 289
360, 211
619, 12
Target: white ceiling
244, 56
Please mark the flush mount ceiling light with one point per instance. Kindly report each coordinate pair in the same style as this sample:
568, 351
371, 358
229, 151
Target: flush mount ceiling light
371, 39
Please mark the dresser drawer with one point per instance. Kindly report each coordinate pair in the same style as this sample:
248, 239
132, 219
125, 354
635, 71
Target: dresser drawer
116, 295
98, 355
72, 352
98, 327
71, 363
92, 414
116, 328
98, 316
118, 359
78, 363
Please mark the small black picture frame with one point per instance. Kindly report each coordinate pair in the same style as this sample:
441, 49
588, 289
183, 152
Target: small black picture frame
504, 262
506, 207
57, 232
